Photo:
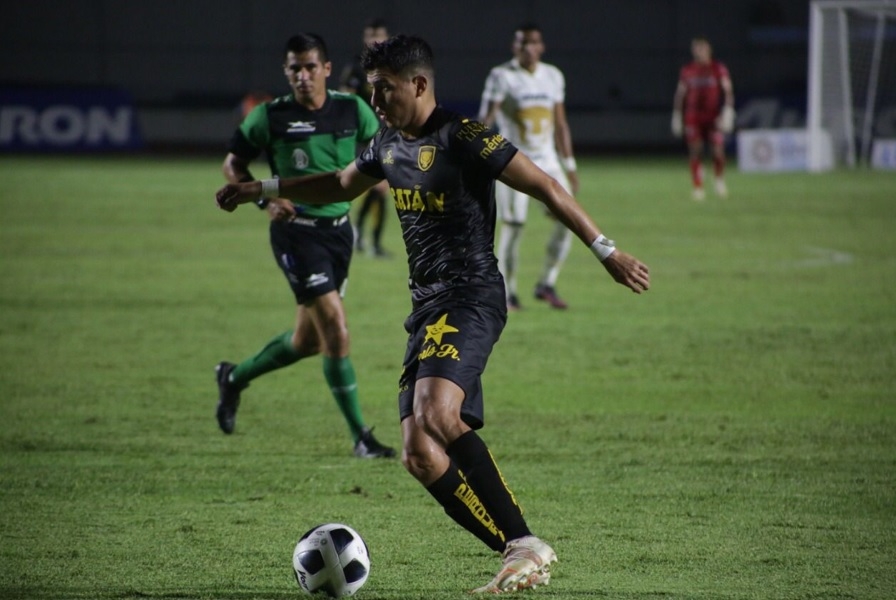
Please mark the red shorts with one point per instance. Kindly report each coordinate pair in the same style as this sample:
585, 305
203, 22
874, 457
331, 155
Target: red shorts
700, 126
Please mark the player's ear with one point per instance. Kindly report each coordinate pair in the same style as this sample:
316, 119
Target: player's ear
421, 84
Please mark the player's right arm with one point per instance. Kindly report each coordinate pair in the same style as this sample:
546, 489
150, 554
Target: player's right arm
244, 147
488, 112
493, 94
677, 108
236, 169
316, 189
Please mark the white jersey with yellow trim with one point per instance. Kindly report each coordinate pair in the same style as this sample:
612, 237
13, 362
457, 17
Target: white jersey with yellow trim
526, 115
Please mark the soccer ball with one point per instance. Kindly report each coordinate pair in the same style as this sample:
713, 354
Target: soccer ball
331, 559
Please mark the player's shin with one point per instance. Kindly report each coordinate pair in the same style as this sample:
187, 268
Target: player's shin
484, 479
461, 504
340, 376
276, 354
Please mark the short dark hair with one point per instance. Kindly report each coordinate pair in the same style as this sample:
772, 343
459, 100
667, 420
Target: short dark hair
305, 42
528, 26
398, 54
376, 23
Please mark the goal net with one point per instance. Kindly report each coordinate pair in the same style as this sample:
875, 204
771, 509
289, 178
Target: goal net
852, 80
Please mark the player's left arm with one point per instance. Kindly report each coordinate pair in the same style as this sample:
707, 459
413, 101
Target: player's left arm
726, 118
523, 175
563, 141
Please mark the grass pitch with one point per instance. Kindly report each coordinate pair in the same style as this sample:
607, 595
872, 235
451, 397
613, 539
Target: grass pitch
731, 434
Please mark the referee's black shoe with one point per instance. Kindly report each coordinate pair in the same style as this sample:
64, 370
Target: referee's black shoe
367, 446
228, 397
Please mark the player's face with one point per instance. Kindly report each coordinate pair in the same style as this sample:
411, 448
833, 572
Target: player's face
701, 50
528, 47
374, 35
307, 77
393, 98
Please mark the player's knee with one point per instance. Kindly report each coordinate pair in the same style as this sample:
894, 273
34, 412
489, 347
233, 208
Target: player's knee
305, 344
336, 343
419, 464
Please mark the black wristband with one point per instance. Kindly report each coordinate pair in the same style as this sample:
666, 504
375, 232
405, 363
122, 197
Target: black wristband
262, 202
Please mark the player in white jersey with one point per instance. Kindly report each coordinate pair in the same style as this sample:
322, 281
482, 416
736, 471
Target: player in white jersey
524, 99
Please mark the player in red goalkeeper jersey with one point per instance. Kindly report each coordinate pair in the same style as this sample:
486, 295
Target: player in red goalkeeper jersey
703, 110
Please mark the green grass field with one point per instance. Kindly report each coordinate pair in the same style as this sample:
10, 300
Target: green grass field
729, 435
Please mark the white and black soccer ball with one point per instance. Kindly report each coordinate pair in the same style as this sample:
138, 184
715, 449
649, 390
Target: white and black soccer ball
331, 559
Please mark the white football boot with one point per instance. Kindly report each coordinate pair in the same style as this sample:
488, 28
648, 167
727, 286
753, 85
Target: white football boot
698, 194
526, 564
721, 188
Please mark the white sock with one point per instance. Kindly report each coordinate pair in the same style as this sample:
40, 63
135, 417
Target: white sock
557, 250
508, 253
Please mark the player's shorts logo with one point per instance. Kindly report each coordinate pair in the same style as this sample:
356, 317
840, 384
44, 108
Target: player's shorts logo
432, 343
425, 157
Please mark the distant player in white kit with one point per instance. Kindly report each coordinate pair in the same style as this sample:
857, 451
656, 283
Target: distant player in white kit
524, 99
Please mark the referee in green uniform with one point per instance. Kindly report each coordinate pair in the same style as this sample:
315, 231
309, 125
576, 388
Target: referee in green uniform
311, 130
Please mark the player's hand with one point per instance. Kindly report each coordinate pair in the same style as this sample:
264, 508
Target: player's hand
725, 122
280, 209
628, 270
677, 125
233, 194
573, 182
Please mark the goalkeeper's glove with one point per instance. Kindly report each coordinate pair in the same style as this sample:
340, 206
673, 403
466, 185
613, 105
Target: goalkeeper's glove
726, 120
677, 128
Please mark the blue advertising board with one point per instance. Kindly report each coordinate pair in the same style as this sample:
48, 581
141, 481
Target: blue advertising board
67, 119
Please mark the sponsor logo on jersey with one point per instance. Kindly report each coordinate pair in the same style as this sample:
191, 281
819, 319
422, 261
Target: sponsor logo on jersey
535, 97
471, 130
300, 159
417, 200
491, 144
432, 343
426, 156
388, 159
301, 127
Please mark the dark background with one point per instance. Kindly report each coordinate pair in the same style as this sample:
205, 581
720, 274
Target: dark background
188, 63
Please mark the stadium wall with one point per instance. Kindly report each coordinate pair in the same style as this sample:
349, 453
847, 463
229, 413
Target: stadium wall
187, 64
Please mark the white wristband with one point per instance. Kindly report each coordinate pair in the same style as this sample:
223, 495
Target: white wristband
603, 247
270, 188
569, 163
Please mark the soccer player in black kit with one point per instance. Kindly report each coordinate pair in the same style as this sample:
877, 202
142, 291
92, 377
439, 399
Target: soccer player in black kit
441, 168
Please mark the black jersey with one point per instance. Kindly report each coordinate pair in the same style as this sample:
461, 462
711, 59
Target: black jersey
443, 185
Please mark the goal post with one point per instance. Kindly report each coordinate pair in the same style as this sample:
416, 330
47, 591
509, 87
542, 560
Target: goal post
852, 76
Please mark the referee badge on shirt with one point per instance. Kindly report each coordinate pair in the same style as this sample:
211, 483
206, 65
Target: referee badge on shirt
426, 157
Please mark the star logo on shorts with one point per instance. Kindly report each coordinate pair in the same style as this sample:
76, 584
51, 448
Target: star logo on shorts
435, 331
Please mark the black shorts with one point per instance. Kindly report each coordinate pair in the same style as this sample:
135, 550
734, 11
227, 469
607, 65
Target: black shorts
314, 254
452, 340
